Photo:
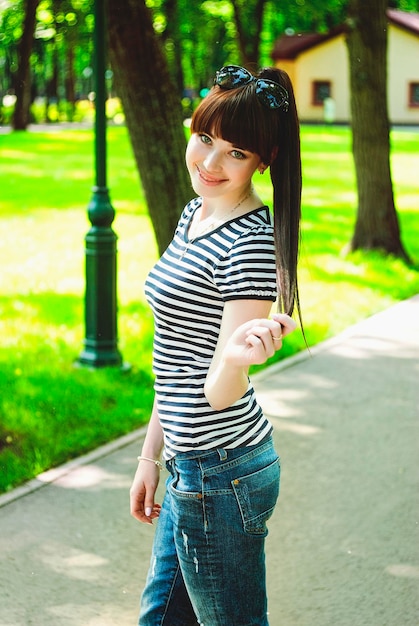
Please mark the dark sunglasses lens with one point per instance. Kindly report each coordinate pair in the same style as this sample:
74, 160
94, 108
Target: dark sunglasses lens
232, 76
271, 94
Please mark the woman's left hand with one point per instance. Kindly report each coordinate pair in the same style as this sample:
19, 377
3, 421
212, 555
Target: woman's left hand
257, 340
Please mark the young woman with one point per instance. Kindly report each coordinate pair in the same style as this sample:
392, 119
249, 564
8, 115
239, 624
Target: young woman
211, 295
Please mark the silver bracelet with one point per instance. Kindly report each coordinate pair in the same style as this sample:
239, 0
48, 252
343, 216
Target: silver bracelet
145, 458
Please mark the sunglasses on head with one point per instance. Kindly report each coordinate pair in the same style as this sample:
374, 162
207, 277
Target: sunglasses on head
270, 93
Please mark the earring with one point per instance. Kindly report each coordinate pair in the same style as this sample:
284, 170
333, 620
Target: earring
262, 170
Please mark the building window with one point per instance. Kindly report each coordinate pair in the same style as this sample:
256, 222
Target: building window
322, 89
414, 94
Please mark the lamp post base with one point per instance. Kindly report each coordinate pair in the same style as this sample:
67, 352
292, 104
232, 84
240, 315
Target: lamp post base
96, 356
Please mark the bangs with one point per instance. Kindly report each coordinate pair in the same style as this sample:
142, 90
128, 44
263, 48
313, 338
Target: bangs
233, 116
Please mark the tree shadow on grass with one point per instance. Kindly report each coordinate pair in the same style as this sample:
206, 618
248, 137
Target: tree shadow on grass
365, 270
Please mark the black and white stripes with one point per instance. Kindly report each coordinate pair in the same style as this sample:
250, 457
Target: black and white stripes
186, 290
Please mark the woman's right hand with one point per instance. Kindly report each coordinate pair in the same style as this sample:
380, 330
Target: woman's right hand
255, 341
142, 492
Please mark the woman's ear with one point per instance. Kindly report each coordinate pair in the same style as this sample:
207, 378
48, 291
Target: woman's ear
264, 166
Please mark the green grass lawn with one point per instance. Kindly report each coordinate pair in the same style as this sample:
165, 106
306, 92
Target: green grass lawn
51, 411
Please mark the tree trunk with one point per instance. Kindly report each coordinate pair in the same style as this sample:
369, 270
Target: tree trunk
248, 17
23, 78
52, 84
377, 225
70, 82
153, 113
173, 32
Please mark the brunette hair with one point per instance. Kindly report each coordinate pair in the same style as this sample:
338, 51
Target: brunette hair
239, 117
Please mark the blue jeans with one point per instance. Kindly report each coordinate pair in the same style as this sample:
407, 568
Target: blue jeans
208, 561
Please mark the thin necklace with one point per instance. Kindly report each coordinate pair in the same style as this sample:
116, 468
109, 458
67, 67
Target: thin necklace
215, 223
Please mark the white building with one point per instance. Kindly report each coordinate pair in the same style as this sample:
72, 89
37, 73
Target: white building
319, 69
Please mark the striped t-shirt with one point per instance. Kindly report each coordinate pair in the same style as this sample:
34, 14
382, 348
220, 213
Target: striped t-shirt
186, 290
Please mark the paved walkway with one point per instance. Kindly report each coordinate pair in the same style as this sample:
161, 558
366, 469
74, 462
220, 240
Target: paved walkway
343, 548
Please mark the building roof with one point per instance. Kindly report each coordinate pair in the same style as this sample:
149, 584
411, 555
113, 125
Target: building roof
408, 21
291, 46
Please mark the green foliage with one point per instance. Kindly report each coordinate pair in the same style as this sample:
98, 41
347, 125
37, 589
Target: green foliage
62, 53
405, 5
50, 410
206, 34
42, 111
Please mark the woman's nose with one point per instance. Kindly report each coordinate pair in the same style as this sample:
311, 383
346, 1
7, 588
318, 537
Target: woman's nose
212, 161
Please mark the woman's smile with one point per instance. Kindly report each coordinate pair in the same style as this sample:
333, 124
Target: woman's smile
208, 179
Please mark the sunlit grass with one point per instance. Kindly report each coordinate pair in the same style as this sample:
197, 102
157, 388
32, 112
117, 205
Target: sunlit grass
50, 410
55, 170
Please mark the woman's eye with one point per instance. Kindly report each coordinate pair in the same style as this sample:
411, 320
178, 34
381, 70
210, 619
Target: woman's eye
205, 138
237, 154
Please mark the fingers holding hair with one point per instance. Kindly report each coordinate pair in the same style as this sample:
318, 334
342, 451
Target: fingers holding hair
269, 333
287, 324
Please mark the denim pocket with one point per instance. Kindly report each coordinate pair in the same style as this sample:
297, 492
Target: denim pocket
256, 495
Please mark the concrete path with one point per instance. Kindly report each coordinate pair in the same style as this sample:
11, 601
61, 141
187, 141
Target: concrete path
343, 548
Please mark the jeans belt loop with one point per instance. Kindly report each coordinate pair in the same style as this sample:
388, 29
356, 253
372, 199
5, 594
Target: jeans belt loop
222, 454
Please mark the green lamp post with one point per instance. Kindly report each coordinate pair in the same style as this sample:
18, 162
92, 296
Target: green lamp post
100, 343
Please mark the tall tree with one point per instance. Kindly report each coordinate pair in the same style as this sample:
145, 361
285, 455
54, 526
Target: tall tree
377, 226
173, 34
248, 17
23, 78
153, 113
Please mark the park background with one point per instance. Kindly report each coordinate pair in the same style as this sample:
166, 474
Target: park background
51, 410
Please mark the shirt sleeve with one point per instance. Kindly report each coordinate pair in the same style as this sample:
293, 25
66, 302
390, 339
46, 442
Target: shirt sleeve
248, 271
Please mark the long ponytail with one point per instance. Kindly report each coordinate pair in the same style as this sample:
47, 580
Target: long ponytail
287, 183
